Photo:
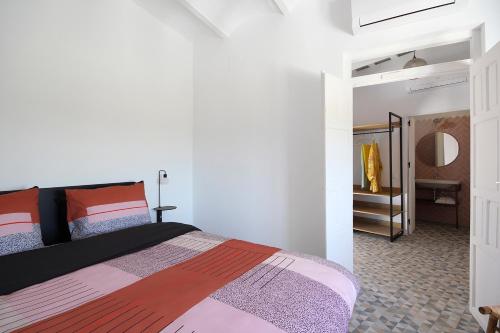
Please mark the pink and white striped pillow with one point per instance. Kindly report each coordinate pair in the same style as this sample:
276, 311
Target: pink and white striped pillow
101, 210
19, 222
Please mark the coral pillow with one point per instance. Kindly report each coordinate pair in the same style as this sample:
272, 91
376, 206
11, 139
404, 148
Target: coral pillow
101, 210
19, 222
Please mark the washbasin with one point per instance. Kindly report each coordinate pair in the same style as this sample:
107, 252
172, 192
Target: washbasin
436, 183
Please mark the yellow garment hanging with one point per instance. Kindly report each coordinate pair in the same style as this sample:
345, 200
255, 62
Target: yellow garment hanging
365, 151
374, 168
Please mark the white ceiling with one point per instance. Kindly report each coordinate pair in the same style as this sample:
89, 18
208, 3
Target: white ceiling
426, 95
219, 17
434, 55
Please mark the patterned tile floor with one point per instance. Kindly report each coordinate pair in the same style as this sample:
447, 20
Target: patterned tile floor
419, 283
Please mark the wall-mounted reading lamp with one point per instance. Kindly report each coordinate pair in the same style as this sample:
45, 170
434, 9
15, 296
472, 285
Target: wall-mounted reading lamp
160, 209
160, 174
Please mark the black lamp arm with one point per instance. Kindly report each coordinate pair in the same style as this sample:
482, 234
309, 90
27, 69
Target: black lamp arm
159, 184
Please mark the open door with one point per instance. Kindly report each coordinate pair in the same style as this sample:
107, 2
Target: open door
485, 187
337, 101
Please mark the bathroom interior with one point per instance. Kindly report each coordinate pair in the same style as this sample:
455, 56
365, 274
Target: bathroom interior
442, 169
420, 129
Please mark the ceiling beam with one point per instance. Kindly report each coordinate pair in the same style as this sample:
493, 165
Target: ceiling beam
282, 6
219, 31
452, 67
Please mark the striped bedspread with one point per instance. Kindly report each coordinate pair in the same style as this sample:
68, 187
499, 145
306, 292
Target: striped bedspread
277, 291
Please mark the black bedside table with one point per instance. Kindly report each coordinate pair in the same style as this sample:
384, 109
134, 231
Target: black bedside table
160, 210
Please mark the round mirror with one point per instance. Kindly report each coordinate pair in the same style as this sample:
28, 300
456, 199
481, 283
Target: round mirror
437, 149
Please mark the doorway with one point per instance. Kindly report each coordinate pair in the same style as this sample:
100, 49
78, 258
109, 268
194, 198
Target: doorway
439, 173
434, 92
385, 264
485, 187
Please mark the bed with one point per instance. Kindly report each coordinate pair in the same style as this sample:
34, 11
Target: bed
167, 277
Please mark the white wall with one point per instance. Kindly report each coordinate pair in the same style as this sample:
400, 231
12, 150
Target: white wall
259, 135
94, 91
372, 103
259, 124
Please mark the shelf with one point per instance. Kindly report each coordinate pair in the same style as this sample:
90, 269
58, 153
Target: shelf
372, 216
375, 227
376, 209
163, 208
357, 190
436, 203
374, 127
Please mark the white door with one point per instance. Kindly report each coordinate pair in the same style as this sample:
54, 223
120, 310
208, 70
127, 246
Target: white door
485, 189
338, 169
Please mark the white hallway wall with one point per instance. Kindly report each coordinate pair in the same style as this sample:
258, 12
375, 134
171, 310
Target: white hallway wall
94, 91
371, 104
259, 128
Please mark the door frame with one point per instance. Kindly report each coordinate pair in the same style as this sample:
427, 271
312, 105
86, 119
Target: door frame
410, 185
412, 144
474, 34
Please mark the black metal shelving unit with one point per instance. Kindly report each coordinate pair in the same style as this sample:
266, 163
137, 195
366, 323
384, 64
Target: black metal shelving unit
376, 209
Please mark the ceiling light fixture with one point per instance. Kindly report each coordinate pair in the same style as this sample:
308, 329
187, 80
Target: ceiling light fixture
415, 62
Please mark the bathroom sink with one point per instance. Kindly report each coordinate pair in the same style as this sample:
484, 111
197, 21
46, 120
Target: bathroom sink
436, 183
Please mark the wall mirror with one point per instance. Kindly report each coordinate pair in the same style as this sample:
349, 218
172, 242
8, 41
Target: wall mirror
437, 149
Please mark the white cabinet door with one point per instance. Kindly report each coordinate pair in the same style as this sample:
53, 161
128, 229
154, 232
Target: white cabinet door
485, 174
338, 169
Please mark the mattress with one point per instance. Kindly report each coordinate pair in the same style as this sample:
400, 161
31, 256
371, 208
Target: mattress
236, 287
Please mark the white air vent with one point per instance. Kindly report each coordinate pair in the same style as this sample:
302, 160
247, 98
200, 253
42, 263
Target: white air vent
426, 84
373, 15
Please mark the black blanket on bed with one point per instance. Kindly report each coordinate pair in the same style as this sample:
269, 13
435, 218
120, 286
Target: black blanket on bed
21, 270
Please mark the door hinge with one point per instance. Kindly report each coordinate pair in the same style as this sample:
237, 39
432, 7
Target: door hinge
409, 123
409, 165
